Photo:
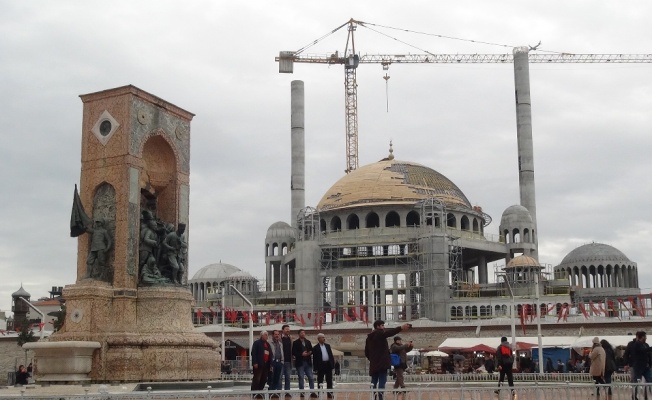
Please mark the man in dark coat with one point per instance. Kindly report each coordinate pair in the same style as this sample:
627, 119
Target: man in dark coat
505, 362
261, 358
302, 353
324, 362
376, 350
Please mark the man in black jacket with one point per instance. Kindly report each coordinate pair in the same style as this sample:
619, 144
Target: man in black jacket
302, 353
287, 356
261, 358
376, 350
324, 362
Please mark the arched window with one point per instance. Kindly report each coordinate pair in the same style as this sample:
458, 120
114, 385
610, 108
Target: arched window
517, 235
506, 236
336, 224
322, 225
372, 220
451, 221
284, 248
413, 219
392, 219
275, 249
464, 222
267, 249
476, 226
526, 235
352, 222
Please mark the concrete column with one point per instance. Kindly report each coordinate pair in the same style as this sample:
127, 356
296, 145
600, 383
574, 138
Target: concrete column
356, 294
395, 296
482, 270
524, 137
268, 276
298, 165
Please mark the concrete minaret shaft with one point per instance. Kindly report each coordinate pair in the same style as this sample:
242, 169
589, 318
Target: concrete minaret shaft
524, 136
298, 168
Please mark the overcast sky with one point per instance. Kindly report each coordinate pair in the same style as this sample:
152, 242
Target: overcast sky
591, 122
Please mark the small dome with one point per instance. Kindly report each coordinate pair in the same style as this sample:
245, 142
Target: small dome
392, 182
241, 275
282, 230
516, 215
21, 293
523, 261
595, 253
216, 272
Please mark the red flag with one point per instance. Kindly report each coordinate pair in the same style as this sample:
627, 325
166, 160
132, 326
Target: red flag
254, 318
245, 316
267, 317
522, 316
315, 321
365, 318
200, 315
581, 306
551, 309
561, 313
232, 315
213, 312
309, 315
601, 308
355, 313
333, 314
566, 310
279, 318
594, 308
322, 317
303, 321
634, 305
3, 332
641, 302
345, 314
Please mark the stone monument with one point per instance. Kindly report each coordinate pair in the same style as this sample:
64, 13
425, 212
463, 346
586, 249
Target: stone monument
130, 217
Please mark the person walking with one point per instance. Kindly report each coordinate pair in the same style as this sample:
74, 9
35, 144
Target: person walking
609, 364
505, 363
640, 358
277, 362
629, 363
287, 357
302, 353
324, 362
261, 361
596, 370
401, 349
376, 350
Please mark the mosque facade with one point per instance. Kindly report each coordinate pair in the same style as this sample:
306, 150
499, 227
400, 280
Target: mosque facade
396, 240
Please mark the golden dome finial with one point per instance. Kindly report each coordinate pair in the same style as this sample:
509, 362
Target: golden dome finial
391, 151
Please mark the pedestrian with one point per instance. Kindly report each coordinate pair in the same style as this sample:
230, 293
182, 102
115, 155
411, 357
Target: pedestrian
629, 363
609, 364
337, 368
261, 361
324, 362
596, 370
376, 350
401, 349
490, 365
641, 360
560, 366
277, 362
21, 375
302, 353
549, 368
287, 357
505, 363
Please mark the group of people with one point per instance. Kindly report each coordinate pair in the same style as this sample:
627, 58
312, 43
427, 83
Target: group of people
272, 362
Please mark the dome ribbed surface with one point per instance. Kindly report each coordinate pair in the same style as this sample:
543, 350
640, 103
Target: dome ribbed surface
216, 272
392, 182
523, 261
516, 214
281, 229
595, 253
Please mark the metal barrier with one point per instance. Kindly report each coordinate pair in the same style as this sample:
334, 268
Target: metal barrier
448, 391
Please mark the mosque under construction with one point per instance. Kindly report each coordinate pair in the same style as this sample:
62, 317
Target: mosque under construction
396, 240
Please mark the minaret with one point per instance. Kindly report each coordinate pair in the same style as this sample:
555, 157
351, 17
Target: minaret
524, 135
298, 167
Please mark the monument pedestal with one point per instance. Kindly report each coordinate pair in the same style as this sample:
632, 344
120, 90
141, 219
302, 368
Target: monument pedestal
145, 334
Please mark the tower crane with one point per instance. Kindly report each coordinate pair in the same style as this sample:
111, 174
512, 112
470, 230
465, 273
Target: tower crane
351, 60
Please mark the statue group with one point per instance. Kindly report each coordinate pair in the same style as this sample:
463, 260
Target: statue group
162, 252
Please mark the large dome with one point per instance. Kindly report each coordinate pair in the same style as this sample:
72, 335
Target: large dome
393, 182
516, 214
593, 253
216, 272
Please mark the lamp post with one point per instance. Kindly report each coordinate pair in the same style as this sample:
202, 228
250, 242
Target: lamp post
223, 342
251, 323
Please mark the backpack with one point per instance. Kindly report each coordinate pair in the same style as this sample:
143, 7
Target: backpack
506, 355
396, 359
